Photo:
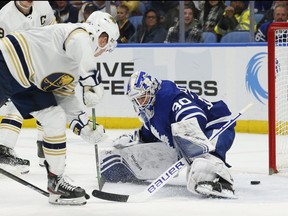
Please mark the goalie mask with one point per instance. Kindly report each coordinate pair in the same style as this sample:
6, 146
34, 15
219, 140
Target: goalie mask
142, 89
103, 22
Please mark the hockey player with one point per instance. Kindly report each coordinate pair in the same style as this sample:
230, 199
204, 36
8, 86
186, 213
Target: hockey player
39, 68
176, 122
26, 14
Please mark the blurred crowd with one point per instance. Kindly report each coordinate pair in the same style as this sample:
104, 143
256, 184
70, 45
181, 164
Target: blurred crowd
158, 21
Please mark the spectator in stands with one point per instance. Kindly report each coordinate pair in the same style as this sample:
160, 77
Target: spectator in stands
192, 31
269, 15
262, 6
151, 30
211, 14
133, 6
77, 4
171, 17
280, 15
101, 6
65, 12
163, 6
125, 26
235, 18
199, 5
88, 8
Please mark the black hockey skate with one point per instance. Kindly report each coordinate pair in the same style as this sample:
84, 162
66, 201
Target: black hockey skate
40, 153
9, 160
216, 189
63, 193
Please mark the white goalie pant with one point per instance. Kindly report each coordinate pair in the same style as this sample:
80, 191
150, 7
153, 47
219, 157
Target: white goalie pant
143, 161
53, 121
206, 168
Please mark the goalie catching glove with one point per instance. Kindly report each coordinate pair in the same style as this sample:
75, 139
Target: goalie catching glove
84, 127
93, 89
126, 140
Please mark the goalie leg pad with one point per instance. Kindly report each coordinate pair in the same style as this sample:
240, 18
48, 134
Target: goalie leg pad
208, 172
119, 172
190, 139
138, 162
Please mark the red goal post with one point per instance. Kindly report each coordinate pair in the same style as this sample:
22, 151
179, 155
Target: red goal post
278, 97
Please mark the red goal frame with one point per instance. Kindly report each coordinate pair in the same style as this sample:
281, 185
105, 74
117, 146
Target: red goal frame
271, 94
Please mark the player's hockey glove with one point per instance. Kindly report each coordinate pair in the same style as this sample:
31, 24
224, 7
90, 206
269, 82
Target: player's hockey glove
83, 126
126, 140
93, 89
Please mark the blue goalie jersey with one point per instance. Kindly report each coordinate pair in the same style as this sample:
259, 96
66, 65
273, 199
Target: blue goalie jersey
175, 104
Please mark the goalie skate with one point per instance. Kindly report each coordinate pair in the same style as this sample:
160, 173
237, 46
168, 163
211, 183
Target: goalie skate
62, 192
10, 162
215, 189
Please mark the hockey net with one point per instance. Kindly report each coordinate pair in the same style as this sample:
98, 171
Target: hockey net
278, 97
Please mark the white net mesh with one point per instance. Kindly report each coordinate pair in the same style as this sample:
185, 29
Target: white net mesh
281, 100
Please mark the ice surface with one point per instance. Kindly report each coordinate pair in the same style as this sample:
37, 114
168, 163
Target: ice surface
248, 157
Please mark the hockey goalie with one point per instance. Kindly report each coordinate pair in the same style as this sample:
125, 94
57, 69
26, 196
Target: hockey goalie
176, 123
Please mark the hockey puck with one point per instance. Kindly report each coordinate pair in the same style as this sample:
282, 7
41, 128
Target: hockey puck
254, 182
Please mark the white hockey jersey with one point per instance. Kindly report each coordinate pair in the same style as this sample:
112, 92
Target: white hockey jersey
50, 57
11, 19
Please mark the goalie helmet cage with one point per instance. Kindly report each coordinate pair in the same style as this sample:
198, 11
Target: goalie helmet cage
278, 97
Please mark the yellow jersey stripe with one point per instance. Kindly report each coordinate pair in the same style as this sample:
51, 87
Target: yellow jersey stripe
16, 62
54, 151
10, 127
25, 48
56, 140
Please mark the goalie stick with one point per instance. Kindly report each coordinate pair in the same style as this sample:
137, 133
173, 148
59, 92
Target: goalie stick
164, 177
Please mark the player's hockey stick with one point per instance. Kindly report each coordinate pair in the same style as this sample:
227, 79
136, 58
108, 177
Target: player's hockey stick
27, 184
165, 177
100, 178
21, 181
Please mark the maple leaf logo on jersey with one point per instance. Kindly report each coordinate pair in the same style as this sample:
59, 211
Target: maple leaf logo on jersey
55, 81
163, 137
